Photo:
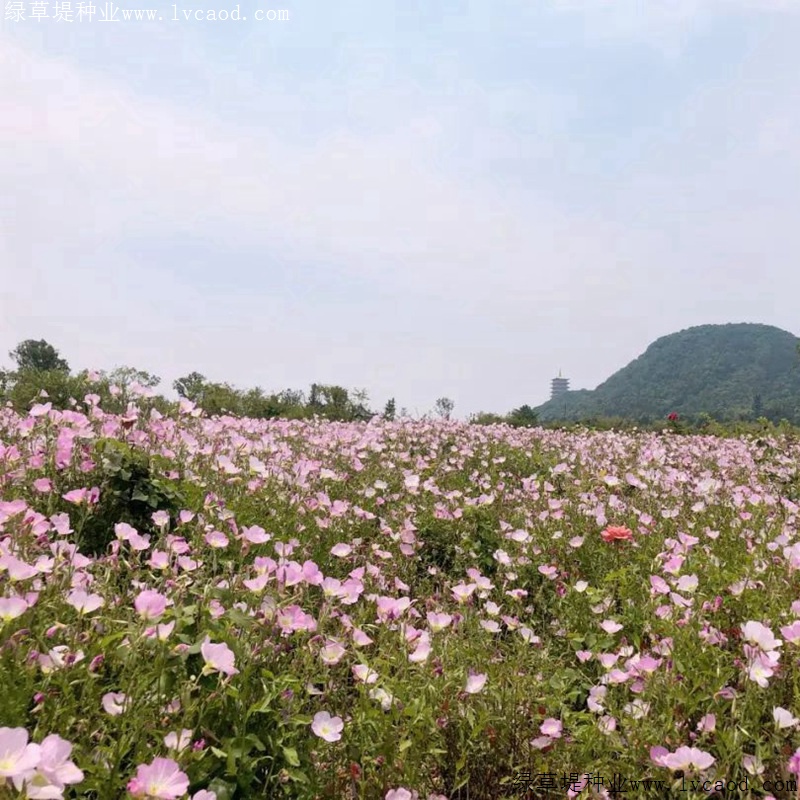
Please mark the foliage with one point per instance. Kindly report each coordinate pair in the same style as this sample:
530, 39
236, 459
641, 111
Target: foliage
336, 403
39, 356
191, 386
444, 407
450, 595
729, 372
523, 417
129, 491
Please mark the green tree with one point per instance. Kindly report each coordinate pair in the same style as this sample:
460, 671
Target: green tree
39, 356
191, 386
486, 418
126, 376
444, 407
390, 409
336, 403
523, 417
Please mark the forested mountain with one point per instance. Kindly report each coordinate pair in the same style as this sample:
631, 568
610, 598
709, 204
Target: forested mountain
734, 371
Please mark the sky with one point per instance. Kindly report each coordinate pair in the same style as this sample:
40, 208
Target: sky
416, 198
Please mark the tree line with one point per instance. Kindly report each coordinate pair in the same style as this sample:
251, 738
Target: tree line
41, 374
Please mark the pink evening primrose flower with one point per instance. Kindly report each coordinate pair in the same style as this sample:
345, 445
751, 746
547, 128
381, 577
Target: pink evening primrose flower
216, 539
16, 755
760, 635
11, 608
83, 602
438, 622
363, 673
327, 727
792, 632
218, 658
53, 772
462, 592
687, 759
552, 728
114, 703
610, 626
161, 780
150, 604
398, 794
178, 741
475, 683
784, 718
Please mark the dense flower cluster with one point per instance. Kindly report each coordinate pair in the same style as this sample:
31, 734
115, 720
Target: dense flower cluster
389, 608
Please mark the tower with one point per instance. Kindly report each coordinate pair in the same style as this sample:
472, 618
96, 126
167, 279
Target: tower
558, 386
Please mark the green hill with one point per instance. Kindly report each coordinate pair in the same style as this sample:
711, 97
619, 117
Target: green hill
729, 371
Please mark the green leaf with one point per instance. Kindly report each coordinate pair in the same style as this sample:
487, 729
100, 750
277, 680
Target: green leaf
290, 754
297, 776
222, 789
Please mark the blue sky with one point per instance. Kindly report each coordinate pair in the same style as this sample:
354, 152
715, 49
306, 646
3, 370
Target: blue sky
419, 199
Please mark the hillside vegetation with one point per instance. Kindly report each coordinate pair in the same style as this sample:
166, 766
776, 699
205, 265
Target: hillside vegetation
735, 371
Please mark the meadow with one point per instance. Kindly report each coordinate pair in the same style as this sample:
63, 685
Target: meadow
195, 607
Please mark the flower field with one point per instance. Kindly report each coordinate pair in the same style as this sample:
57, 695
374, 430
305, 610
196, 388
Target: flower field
231, 608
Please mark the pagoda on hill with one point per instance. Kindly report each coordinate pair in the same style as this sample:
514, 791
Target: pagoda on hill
558, 386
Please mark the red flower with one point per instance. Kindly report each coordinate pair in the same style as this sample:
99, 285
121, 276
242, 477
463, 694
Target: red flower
617, 533
672, 417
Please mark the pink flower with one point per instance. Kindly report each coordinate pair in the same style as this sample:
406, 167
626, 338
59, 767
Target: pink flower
707, 724
398, 794
462, 591
363, 673
16, 755
53, 772
255, 534
610, 626
114, 703
11, 608
160, 518
438, 622
150, 604
552, 728
784, 718
218, 658
162, 779
178, 741
475, 682
77, 496
327, 727
391, 608
422, 651
83, 602
760, 635
216, 539
762, 666
792, 632
360, 639
687, 759
332, 652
